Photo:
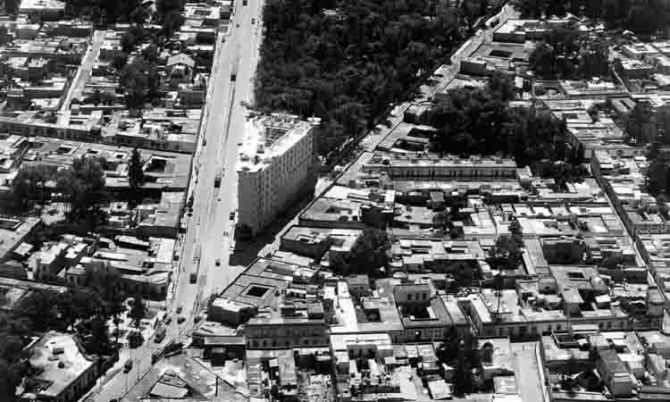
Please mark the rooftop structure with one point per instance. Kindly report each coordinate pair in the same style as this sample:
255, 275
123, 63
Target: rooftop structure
64, 371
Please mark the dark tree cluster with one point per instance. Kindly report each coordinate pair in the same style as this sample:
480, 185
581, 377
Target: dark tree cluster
15, 334
570, 58
506, 254
369, 254
11, 6
347, 61
83, 186
141, 82
461, 353
480, 121
443, 223
135, 177
644, 17
658, 172
84, 310
29, 187
169, 15
103, 12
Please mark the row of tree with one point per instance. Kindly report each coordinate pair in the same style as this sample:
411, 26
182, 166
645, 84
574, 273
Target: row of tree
347, 65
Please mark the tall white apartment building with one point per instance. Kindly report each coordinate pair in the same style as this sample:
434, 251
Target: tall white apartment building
274, 168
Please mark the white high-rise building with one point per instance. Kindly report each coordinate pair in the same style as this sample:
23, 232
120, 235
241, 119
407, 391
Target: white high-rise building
276, 165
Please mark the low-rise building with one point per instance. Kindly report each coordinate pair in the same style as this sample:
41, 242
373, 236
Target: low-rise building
292, 324
63, 372
435, 167
42, 10
15, 231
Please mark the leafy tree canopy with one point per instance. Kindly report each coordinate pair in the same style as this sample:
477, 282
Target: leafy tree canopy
83, 184
347, 66
369, 253
29, 185
138, 311
480, 121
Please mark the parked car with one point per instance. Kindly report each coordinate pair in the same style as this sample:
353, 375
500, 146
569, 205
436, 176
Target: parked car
127, 366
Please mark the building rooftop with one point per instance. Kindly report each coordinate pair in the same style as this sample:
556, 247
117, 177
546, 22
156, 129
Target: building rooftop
41, 5
262, 284
162, 169
61, 362
351, 319
13, 231
269, 137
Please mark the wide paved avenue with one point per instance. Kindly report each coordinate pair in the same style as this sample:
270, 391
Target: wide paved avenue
209, 226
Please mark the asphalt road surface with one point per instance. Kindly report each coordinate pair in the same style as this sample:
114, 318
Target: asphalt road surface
237, 51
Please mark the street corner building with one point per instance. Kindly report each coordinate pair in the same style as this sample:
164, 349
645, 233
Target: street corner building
276, 166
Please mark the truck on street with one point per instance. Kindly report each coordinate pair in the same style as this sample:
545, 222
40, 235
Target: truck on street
217, 179
196, 264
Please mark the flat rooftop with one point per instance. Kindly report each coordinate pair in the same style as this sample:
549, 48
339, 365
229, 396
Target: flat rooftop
13, 231
268, 137
62, 362
30, 5
162, 169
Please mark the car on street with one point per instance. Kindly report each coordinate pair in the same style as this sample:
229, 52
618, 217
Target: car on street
232, 216
253, 20
180, 320
218, 262
127, 366
160, 335
179, 309
168, 321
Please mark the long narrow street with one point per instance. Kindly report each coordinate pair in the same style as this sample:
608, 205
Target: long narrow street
209, 227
